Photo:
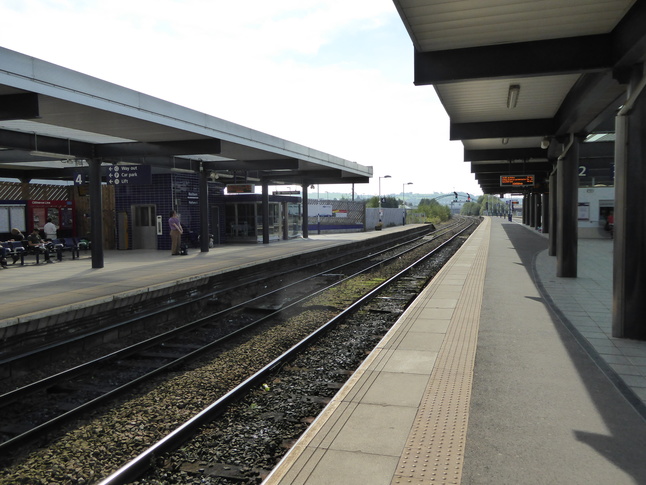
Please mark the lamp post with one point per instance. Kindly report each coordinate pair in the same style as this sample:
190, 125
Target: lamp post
404, 185
403, 202
384, 177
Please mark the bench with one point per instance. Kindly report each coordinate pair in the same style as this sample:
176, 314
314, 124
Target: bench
15, 249
47, 251
68, 244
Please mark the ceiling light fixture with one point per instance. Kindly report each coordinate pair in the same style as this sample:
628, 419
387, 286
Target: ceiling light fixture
505, 141
512, 95
221, 175
56, 156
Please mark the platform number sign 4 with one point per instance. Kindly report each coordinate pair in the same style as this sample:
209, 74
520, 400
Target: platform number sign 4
80, 178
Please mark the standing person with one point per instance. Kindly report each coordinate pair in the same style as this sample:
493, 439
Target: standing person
175, 233
50, 230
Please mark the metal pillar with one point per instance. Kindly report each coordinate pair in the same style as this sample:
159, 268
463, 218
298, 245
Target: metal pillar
203, 200
96, 214
553, 215
525, 209
629, 264
567, 207
305, 212
536, 222
265, 212
545, 213
531, 209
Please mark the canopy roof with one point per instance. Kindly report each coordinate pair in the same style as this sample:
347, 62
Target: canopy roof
517, 75
54, 119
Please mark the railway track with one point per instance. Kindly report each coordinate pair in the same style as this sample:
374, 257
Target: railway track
30, 361
171, 351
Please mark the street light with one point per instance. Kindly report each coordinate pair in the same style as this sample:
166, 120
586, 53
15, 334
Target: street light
384, 177
404, 185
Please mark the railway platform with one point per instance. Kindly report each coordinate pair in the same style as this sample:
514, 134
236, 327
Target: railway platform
498, 373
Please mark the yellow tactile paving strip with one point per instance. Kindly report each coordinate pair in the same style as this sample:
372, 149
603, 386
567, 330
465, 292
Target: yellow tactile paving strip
434, 451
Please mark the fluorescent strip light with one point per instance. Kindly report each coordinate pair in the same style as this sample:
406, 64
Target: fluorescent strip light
38, 153
512, 95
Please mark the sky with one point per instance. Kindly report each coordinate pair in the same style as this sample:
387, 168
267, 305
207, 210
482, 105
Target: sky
333, 75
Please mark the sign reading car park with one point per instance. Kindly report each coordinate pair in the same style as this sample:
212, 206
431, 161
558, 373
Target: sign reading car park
129, 175
516, 180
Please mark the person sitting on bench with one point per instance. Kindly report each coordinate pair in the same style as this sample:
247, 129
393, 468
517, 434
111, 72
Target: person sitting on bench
36, 244
3, 255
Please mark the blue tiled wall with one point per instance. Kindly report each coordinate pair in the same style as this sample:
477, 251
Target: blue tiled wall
168, 192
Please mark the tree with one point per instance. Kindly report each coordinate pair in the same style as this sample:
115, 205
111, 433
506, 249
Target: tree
434, 211
470, 209
386, 202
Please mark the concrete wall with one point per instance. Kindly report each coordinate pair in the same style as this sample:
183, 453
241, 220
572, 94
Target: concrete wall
391, 217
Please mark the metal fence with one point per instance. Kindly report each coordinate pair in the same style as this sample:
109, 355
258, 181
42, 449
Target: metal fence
336, 216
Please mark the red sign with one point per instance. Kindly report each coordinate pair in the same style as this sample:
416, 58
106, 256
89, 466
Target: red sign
240, 189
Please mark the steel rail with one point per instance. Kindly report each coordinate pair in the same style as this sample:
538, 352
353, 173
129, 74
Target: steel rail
8, 360
16, 394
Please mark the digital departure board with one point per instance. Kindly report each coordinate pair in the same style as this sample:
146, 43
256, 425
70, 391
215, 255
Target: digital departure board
516, 180
240, 189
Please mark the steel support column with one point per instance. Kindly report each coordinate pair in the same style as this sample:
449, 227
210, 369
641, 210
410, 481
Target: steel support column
567, 187
203, 200
553, 215
629, 264
96, 213
545, 213
265, 212
306, 232
532, 210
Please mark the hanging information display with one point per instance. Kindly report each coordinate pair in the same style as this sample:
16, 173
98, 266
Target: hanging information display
516, 180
